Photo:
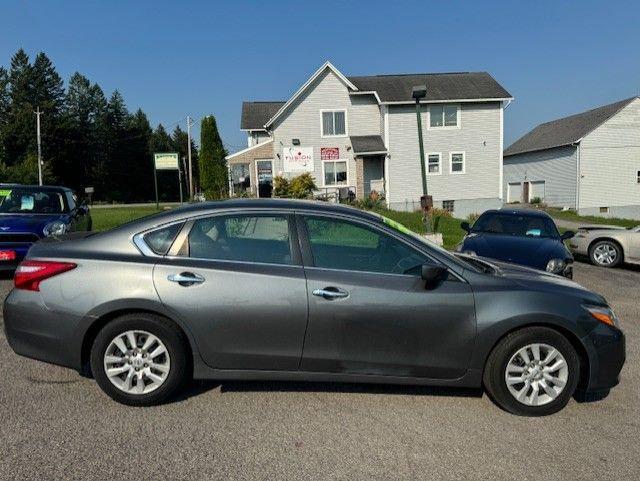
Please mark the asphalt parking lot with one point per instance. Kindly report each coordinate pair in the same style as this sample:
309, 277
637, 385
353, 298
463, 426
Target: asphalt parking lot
55, 424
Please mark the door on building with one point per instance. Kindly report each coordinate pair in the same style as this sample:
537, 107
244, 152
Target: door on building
525, 193
537, 190
264, 170
514, 192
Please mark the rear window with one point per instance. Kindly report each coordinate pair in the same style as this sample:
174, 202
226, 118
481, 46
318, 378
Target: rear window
521, 225
160, 240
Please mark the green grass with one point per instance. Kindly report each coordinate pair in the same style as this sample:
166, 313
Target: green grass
108, 218
573, 216
449, 227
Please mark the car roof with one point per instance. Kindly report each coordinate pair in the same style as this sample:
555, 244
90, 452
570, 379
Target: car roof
516, 211
52, 188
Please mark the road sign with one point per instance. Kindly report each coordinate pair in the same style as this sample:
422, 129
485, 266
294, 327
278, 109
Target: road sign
166, 160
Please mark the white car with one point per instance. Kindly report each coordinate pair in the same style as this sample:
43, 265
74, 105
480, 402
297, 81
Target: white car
607, 245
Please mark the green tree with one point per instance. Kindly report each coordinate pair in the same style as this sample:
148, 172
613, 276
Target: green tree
212, 163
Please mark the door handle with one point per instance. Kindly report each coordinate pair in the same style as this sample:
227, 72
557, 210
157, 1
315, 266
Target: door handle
186, 278
330, 293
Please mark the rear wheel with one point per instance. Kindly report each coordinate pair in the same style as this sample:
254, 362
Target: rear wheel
532, 372
605, 253
140, 359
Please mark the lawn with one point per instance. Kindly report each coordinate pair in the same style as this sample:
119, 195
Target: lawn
573, 216
107, 218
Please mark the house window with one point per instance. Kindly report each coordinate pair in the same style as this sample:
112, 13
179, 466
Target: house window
334, 172
240, 178
443, 116
638, 176
457, 162
448, 205
604, 210
433, 164
334, 123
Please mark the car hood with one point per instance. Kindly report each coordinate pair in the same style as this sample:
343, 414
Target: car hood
543, 281
32, 223
529, 251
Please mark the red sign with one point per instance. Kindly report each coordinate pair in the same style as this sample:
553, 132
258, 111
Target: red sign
329, 153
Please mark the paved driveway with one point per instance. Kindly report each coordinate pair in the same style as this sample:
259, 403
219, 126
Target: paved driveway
55, 424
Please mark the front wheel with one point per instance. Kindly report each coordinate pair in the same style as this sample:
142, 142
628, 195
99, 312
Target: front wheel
140, 359
532, 372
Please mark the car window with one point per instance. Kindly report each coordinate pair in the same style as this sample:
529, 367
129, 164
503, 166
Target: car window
247, 238
344, 245
160, 240
515, 225
31, 201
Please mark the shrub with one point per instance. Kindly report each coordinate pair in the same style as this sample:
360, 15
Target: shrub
299, 187
437, 214
536, 200
372, 202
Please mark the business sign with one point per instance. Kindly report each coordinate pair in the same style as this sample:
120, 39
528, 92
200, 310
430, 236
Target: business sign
298, 159
329, 153
166, 161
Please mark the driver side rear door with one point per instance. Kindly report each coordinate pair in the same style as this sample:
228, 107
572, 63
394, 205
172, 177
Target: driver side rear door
369, 310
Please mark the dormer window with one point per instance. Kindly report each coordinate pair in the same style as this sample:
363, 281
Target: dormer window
334, 123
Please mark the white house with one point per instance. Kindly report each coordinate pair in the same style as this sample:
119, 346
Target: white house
589, 162
360, 133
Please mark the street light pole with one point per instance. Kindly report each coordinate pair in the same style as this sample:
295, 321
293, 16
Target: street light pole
38, 114
189, 124
426, 201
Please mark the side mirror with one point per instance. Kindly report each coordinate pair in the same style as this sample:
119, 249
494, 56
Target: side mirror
432, 273
567, 235
465, 226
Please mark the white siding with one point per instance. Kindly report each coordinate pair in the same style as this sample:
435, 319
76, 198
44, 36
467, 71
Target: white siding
479, 137
302, 121
610, 160
557, 167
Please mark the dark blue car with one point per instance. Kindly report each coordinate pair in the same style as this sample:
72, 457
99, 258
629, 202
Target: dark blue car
28, 213
526, 237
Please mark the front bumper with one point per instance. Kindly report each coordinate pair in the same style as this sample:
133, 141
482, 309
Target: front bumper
579, 244
606, 351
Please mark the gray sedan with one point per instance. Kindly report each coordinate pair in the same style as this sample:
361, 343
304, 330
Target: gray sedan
293, 290
607, 246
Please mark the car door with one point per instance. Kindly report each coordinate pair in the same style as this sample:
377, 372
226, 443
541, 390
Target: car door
369, 309
237, 281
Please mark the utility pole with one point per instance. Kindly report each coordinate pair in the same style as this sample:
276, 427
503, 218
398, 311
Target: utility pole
38, 114
426, 201
189, 124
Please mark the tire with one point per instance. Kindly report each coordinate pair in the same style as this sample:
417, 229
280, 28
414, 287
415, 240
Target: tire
507, 354
605, 253
162, 375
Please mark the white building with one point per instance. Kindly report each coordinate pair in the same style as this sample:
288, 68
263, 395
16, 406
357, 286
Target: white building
589, 162
360, 133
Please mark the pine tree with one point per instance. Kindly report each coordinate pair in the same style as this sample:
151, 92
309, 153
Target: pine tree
213, 166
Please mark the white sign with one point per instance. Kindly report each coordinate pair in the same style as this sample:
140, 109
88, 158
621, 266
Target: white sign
298, 159
166, 161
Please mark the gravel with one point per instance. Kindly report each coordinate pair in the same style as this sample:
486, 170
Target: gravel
55, 424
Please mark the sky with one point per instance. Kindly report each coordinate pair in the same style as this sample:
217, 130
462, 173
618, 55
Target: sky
179, 58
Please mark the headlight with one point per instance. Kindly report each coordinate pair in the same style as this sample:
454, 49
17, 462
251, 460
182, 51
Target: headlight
469, 252
556, 266
604, 315
54, 228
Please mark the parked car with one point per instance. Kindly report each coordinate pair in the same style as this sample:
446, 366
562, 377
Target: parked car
607, 246
526, 237
29, 213
301, 290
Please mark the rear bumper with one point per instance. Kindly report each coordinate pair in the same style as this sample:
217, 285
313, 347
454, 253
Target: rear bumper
39, 333
606, 350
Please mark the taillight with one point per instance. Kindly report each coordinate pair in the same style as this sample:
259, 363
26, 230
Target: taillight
30, 274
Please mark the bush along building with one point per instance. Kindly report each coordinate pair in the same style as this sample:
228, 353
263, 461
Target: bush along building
589, 162
359, 134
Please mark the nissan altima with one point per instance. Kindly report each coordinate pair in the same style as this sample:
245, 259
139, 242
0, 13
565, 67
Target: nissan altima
297, 290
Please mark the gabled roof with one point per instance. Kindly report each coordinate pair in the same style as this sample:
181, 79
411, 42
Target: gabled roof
440, 86
256, 114
565, 131
367, 144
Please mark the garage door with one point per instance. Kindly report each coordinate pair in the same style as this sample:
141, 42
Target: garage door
514, 193
537, 190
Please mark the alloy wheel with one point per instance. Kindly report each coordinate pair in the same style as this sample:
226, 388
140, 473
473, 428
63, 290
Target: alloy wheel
137, 362
605, 254
536, 374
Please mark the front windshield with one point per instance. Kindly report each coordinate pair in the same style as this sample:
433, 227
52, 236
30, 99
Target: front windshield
31, 201
521, 225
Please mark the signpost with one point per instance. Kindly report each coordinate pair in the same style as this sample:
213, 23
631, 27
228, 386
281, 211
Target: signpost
166, 161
